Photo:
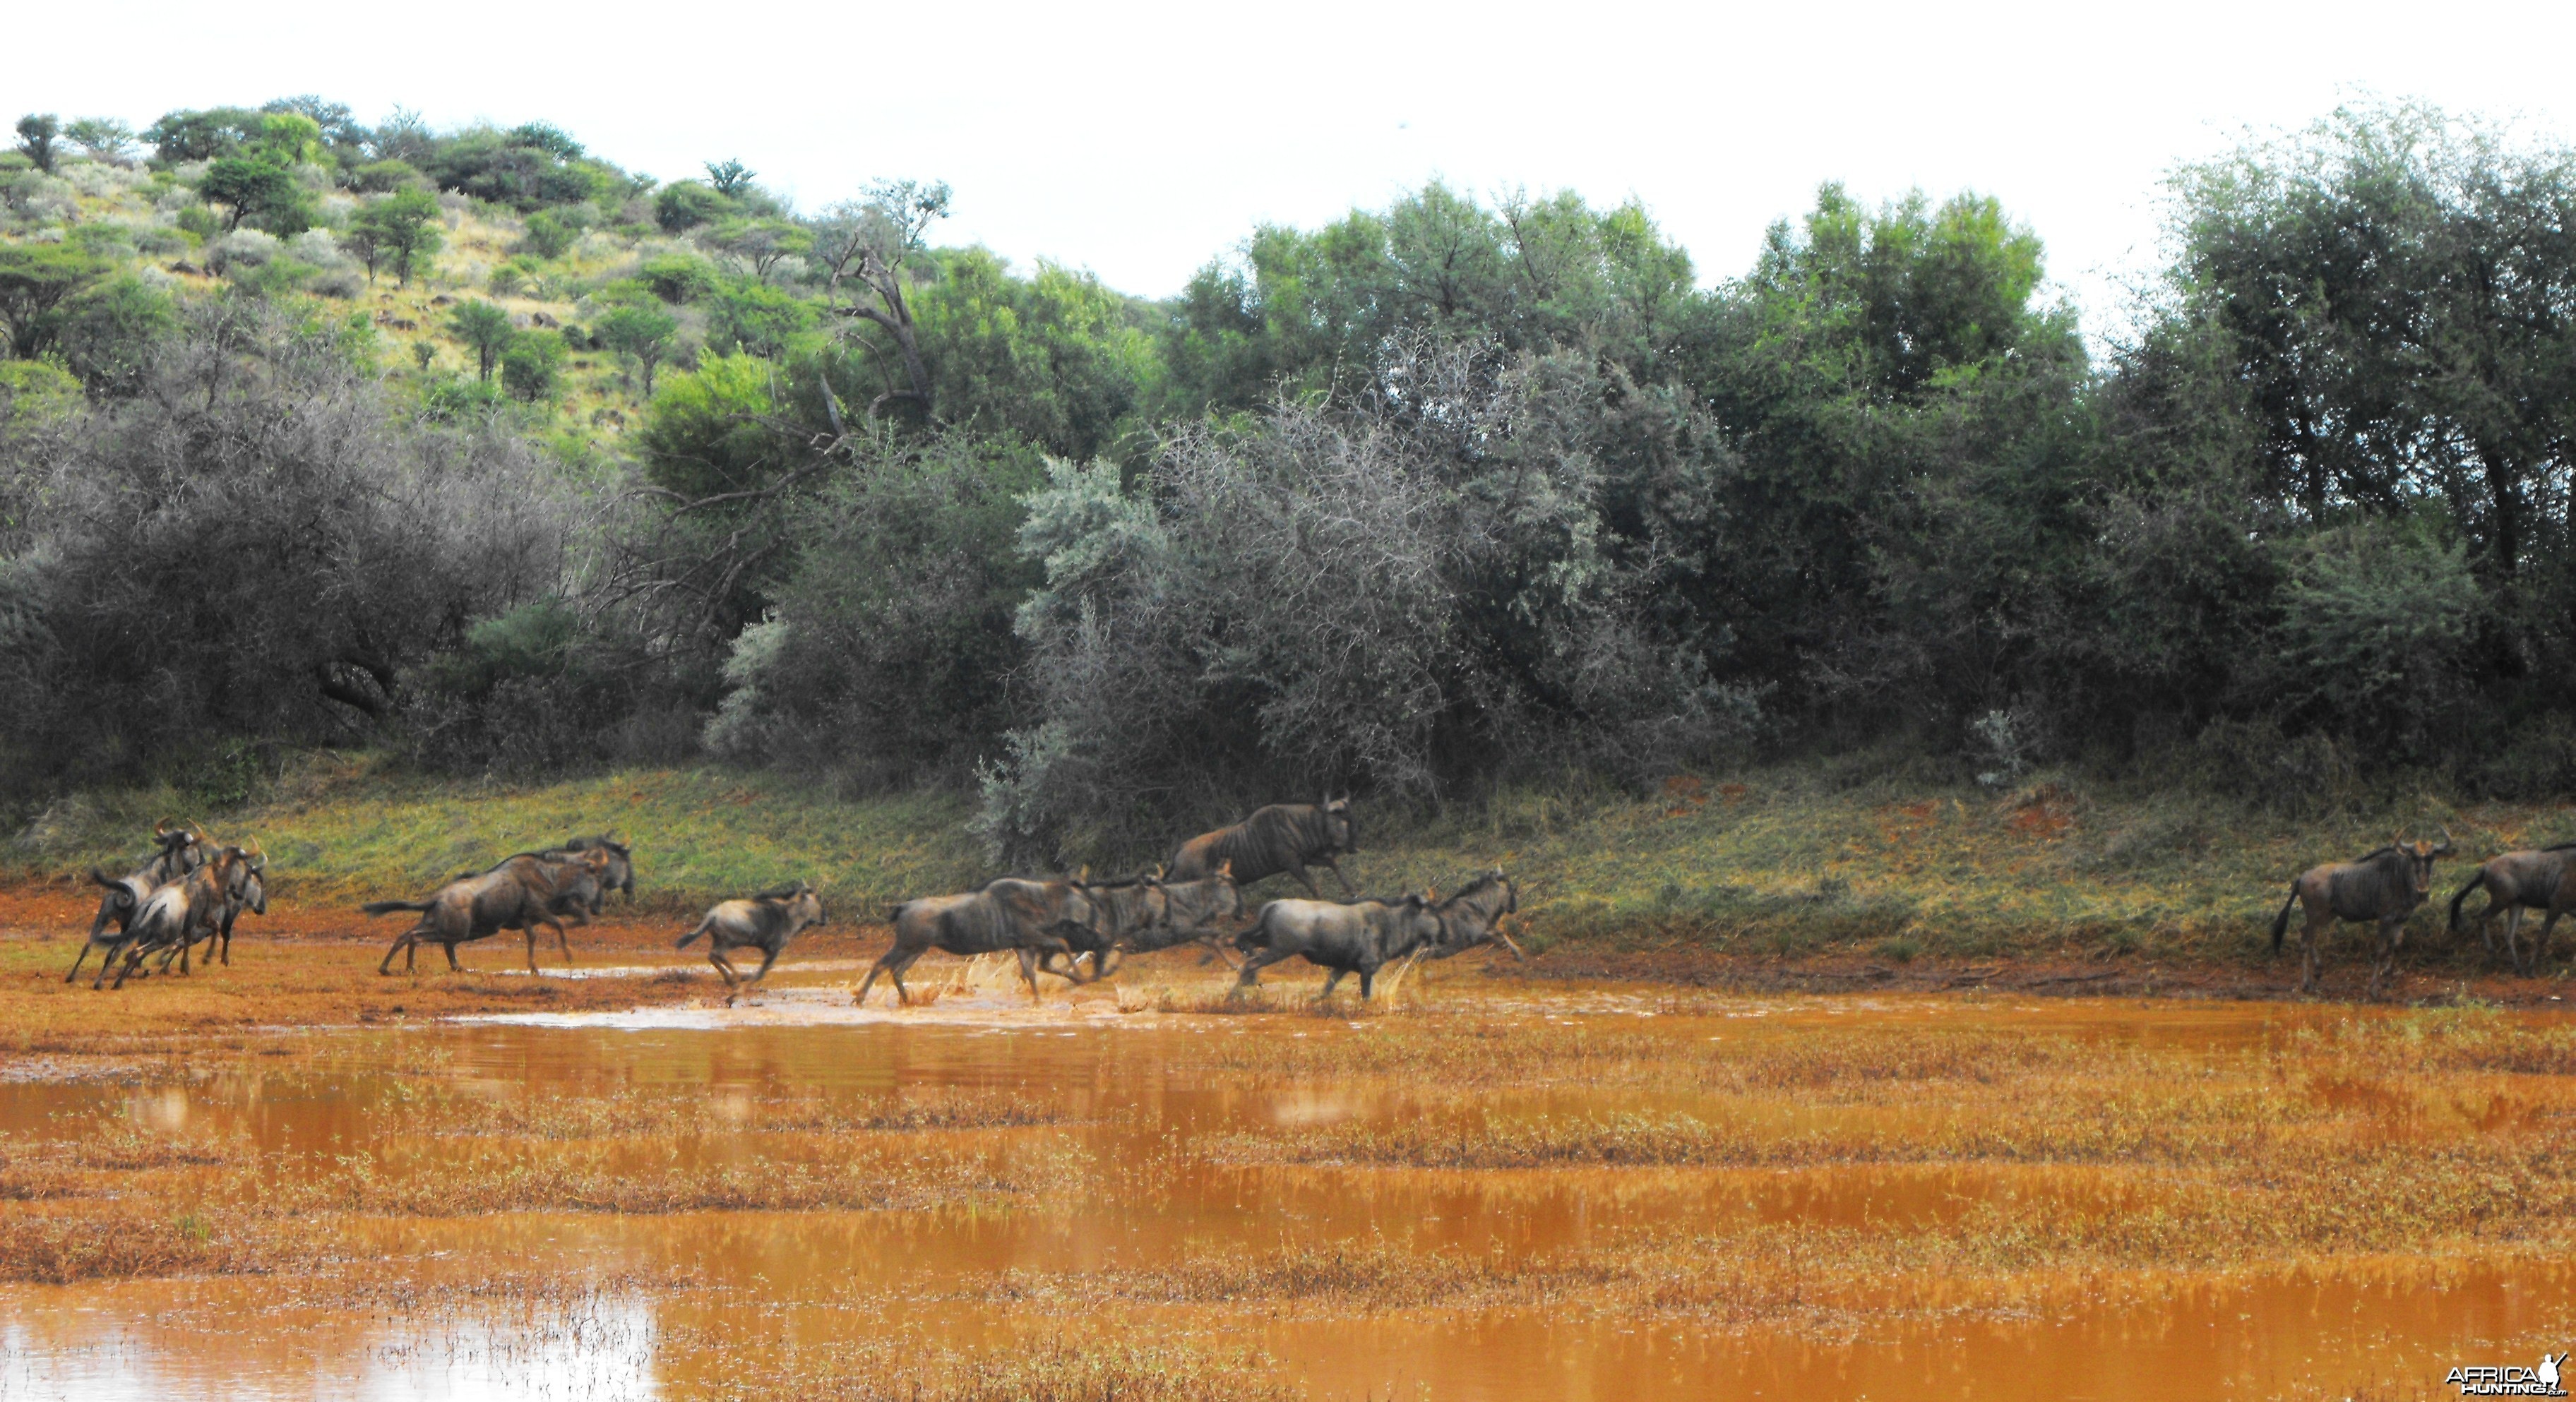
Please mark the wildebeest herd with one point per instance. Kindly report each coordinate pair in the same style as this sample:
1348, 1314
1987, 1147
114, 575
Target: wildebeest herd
192, 890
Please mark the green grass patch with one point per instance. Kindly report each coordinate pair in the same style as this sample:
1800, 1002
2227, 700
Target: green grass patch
1781, 862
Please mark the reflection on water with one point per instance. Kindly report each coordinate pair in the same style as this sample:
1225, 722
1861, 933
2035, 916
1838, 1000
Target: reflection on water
1139, 1091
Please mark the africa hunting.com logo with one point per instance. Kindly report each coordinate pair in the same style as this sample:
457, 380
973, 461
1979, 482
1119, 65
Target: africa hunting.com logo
2511, 1380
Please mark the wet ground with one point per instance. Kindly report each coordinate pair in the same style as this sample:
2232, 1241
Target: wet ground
1164, 1123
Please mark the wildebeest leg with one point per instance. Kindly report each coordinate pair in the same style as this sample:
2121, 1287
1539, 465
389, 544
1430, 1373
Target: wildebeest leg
2513, 938
1306, 881
1253, 964
1348, 890
767, 958
1334, 977
76, 961
1029, 971
452, 966
531, 928
1368, 981
2540, 942
716, 957
2308, 959
2391, 933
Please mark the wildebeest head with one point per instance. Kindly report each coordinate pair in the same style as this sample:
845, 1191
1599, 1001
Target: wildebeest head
802, 904
620, 875
181, 850
2419, 856
1338, 824
251, 884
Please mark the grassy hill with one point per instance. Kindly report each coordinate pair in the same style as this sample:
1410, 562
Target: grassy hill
1774, 862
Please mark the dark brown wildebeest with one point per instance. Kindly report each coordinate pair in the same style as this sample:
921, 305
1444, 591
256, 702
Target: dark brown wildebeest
765, 922
1190, 912
1012, 915
246, 892
1283, 837
179, 850
1360, 938
620, 875
2516, 882
519, 895
180, 913
2384, 887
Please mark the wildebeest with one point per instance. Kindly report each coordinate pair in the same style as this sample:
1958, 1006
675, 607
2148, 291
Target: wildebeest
1011, 915
1283, 837
179, 850
246, 890
180, 913
2516, 882
520, 894
766, 922
1359, 938
619, 876
1474, 916
1189, 913
2383, 887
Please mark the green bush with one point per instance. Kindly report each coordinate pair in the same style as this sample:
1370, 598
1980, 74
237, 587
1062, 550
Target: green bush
532, 369
680, 279
549, 235
685, 204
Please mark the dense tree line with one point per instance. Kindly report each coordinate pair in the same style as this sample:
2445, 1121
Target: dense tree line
1456, 491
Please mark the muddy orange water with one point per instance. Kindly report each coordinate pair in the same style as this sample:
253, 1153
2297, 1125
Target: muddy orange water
1143, 1093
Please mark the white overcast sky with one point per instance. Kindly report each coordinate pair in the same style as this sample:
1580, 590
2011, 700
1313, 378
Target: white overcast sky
1138, 140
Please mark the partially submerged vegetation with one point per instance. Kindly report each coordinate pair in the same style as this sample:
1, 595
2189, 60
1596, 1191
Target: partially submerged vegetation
1723, 1165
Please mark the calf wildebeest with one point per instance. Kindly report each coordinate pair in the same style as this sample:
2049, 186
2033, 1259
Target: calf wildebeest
2516, 882
1283, 837
1474, 916
1011, 915
1359, 938
766, 922
1189, 912
180, 913
518, 895
2383, 887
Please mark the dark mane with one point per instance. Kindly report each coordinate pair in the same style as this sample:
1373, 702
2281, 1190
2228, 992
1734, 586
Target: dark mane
1491, 878
778, 893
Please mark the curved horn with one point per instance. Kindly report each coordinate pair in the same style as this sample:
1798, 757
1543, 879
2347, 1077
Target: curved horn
161, 828
2445, 844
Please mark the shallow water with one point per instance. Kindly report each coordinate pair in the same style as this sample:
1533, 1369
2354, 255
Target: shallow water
1139, 1090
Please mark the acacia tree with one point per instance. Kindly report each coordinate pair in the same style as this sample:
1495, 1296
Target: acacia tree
401, 227
868, 243
487, 329
36, 133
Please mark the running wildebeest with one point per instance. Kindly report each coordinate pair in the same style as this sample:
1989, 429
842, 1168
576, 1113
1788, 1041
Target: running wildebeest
179, 851
766, 922
180, 913
1359, 938
619, 876
2516, 882
2384, 887
1189, 913
246, 892
1011, 915
1283, 837
1474, 916
519, 895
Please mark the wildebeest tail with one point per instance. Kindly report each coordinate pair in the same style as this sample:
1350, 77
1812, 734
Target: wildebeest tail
2474, 883
103, 879
388, 907
693, 934
2281, 922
